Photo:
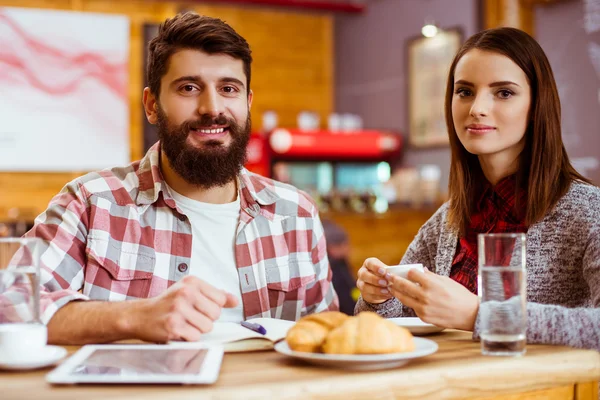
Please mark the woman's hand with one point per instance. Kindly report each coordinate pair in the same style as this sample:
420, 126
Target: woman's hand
437, 299
373, 281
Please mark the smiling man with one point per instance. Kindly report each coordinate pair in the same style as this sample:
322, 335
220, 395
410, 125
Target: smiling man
160, 249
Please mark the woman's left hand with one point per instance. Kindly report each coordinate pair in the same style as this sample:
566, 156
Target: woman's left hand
437, 300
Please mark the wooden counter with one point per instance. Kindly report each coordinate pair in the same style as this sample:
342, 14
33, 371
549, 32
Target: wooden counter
456, 371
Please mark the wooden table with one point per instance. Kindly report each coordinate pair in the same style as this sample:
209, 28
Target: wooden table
456, 371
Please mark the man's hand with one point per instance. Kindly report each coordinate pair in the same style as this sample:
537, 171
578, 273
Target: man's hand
183, 312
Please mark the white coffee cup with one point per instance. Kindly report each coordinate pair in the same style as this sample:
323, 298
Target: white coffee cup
22, 341
402, 270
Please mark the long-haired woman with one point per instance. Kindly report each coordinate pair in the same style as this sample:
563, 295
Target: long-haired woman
509, 173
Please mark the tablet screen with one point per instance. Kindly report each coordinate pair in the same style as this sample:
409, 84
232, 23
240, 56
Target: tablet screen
186, 363
139, 362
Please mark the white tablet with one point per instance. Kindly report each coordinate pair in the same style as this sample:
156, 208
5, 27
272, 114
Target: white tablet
140, 363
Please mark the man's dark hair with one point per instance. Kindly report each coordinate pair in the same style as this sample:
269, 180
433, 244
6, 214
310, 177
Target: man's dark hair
195, 32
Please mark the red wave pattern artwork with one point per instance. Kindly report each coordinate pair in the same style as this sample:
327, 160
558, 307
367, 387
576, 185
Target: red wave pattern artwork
64, 102
25, 53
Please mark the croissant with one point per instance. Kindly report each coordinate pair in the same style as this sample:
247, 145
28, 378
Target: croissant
309, 333
368, 333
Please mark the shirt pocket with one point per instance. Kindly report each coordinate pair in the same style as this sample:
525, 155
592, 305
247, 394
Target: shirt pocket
123, 271
291, 276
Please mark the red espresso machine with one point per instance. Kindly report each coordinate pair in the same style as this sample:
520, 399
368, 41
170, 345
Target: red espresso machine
343, 171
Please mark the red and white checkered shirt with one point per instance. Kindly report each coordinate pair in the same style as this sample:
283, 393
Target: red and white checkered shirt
118, 235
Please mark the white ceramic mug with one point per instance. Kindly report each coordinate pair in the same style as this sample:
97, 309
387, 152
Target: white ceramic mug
22, 341
402, 270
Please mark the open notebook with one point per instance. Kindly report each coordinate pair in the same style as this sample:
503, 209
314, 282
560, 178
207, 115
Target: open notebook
236, 338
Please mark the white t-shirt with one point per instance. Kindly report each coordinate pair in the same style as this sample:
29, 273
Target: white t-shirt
214, 228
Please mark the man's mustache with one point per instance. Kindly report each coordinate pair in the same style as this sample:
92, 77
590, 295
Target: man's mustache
207, 121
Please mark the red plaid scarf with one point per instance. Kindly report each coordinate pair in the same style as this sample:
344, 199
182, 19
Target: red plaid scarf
496, 213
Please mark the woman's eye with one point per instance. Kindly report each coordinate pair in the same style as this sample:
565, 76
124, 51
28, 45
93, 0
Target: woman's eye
505, 94
463, 92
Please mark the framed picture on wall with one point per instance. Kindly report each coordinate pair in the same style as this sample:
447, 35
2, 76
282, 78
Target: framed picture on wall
429, 60
47, 76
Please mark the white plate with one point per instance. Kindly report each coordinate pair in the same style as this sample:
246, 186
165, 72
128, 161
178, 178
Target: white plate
416, 326
49, 355
424, 347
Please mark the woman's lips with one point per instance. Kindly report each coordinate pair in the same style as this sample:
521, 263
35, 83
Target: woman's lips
477, 129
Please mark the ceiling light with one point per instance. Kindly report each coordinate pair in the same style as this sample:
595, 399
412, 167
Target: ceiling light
429, 30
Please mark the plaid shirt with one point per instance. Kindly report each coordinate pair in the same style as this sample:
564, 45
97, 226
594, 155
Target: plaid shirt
118, 235
496, 213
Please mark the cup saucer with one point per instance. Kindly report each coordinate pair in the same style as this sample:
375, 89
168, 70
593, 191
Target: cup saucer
49, 355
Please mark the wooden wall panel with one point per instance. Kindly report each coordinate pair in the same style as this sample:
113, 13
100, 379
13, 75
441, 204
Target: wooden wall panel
515, 13
293, 59
292, 71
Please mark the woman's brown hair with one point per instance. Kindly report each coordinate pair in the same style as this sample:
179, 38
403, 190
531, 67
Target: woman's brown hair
545, 171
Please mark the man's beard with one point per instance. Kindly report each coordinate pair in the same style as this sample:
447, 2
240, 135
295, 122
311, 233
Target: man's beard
212, 165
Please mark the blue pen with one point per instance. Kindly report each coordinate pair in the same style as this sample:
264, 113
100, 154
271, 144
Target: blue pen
254, 327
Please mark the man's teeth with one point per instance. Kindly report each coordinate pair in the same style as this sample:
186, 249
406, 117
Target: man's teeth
211, 131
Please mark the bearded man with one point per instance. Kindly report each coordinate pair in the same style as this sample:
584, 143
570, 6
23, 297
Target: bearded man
160, 249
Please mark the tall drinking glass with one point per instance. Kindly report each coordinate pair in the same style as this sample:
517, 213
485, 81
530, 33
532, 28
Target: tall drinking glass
22, 333
503, 293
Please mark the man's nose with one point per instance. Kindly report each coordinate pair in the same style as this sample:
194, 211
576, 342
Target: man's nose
209, 103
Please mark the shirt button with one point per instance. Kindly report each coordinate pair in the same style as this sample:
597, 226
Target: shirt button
182, 267
182, 217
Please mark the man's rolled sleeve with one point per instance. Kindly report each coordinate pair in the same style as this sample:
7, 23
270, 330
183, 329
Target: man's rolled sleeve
51, 302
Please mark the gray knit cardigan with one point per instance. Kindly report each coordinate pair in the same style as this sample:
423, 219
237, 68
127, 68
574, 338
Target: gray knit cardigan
563, 269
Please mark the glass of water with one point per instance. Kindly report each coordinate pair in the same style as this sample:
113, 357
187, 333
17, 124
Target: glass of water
20, 280
503, 293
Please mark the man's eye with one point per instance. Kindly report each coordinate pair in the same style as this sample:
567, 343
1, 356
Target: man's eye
229, 89
188, 88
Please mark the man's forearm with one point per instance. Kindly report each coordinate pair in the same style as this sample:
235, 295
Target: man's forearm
83, 322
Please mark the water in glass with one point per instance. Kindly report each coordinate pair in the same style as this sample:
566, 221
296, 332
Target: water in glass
503, 310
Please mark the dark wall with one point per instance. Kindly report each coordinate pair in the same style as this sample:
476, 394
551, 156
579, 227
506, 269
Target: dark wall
371, 69
569, 32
